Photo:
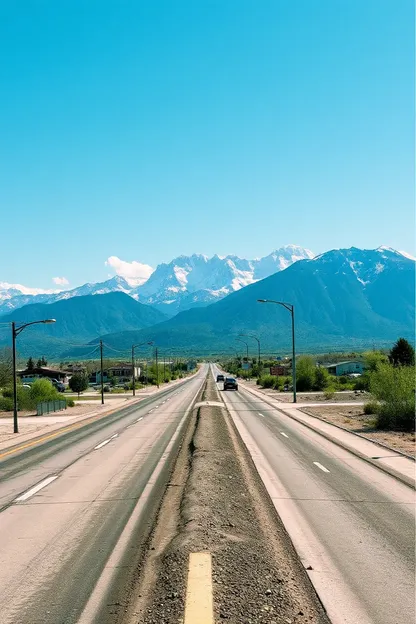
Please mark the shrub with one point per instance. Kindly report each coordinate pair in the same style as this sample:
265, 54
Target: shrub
321, 378
42, 390
305, 373
371, 407
329, 394
6, 404
394, 388
267, 381
70, 402
343, 380
362, 383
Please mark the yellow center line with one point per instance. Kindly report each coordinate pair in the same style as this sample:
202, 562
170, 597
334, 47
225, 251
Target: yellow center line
199, 602
59, 432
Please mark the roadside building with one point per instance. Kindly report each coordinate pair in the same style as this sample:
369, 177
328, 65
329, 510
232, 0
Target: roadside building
122, 372
28, 376
345, 368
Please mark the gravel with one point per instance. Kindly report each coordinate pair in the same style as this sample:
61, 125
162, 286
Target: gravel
220, 505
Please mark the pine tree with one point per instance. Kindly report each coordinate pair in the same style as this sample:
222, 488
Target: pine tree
30, 365
402, 353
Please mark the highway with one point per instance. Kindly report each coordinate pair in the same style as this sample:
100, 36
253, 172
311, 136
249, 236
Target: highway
76, 509
352, 524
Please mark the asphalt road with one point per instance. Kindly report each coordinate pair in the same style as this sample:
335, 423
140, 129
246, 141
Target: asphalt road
76, 509
352, 524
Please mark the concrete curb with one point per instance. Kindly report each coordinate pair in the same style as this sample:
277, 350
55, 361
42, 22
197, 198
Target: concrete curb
387, 469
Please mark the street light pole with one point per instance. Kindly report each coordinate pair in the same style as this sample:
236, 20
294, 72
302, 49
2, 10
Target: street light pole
101, 372
258, 344
15, 332
246, 343
291, 308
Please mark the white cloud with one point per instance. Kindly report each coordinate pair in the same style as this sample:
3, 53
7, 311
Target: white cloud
25, 290
135, 273
61, 281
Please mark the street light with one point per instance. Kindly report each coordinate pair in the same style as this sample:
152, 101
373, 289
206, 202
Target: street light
133, 347
291, 308
255, 338
246, 343
15, 332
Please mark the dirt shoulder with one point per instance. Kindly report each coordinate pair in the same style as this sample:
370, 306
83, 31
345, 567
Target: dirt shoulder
310, 397
217, 503
352, 418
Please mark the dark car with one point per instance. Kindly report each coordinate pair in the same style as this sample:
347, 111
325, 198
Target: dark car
220, 378
58, 385
230, 383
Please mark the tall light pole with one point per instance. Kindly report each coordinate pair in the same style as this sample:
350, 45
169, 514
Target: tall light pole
133, 347
258, 343
246, 343
291, 308
15, 332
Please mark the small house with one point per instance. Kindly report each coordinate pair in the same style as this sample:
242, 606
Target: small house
345, 368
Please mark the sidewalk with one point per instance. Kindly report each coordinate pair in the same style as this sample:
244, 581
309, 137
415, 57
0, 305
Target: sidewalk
392, 462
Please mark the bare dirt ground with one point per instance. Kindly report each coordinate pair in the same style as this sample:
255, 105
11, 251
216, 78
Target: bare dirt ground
353, 418
311, 397
217, 503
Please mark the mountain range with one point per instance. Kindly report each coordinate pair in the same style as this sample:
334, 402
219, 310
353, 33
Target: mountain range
183, 283
347, 298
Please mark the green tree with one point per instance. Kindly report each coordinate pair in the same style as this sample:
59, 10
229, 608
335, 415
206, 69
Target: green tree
43, 361
372, 359
394, 388
402, 353
321, 378
39, 363
6, 367
78, 382
30, 365
305, 373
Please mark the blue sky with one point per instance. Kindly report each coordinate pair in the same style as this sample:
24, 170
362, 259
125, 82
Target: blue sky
145, 130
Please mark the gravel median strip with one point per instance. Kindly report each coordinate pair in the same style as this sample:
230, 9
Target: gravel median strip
218, 504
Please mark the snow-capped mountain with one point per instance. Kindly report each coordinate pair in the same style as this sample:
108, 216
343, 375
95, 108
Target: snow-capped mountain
187, 281
197, 280
19, 298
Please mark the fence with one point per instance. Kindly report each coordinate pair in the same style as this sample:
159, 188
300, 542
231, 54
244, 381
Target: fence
46, 407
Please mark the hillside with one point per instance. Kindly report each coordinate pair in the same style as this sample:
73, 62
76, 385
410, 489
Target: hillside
78, 320
344, 298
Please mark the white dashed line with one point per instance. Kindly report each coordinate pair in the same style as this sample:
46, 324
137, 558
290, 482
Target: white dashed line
35, 489
321, 467
260, 414
284, 434
105, 442
139, 419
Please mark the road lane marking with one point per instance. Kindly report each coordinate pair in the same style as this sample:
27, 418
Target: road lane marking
35, 489
105, 442
284, 434
139, 419
199, 601
260, 414
321, 467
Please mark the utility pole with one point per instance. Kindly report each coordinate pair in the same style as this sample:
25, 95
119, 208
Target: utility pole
133, 371
157, 370
15, 423
102, 372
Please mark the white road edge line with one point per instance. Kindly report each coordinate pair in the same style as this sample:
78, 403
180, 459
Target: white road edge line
35, 489
105, 442
321, 467
284, 434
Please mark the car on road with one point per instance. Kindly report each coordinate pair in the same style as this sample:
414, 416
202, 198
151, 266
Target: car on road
230, 383
220, 378
58, 385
